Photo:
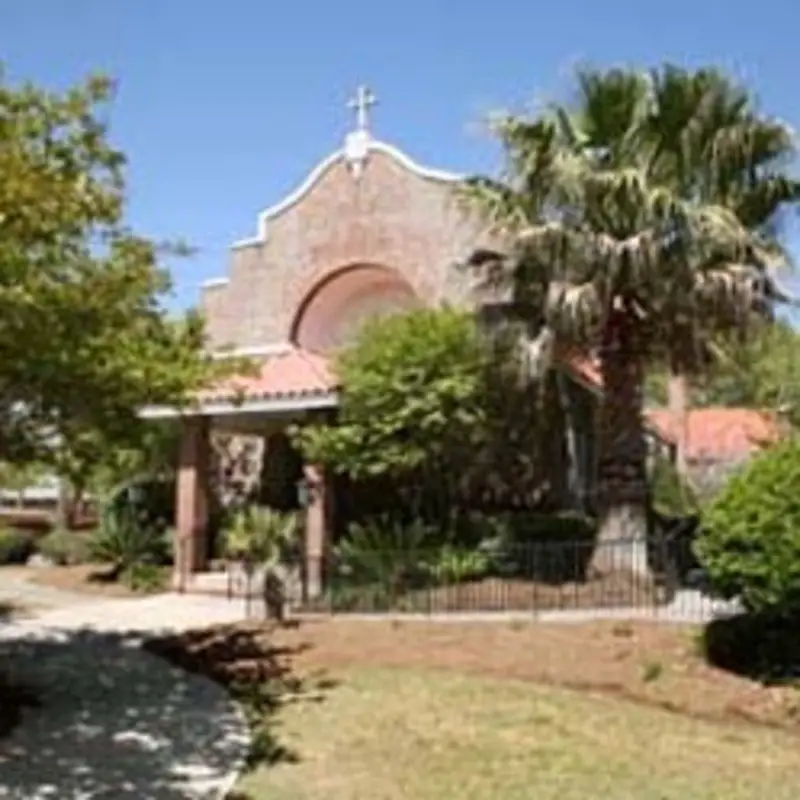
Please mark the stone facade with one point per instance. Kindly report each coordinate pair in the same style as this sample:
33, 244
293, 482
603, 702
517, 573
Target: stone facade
341, 229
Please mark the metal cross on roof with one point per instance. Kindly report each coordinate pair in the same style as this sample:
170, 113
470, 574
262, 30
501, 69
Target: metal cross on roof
361, 104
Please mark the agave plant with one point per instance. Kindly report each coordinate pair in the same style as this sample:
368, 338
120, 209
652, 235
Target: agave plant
126, 541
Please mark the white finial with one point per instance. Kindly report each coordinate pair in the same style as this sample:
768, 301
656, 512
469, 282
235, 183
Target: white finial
361, 104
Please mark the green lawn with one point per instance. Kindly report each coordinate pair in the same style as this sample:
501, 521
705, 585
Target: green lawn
411, 734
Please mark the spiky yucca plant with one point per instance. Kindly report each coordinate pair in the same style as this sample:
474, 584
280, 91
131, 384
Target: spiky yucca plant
634, 223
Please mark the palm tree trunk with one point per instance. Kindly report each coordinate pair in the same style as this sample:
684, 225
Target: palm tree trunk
678, 405
622, 465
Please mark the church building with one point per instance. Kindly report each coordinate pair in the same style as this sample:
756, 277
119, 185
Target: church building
368, 232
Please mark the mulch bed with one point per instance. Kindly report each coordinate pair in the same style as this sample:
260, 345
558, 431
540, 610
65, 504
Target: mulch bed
91, 579
617, 590
613, 590
644, 662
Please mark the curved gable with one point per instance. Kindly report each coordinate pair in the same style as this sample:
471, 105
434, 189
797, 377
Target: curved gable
367, 203
355, 154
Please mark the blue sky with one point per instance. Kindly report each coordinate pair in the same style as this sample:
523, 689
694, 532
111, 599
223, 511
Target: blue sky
222, 108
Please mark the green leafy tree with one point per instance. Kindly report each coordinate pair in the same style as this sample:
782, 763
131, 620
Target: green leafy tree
635, 222
760, 370
84, 337
750, 544
18, 477
410, 403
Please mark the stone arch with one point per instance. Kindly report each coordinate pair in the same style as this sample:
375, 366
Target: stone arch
338, 305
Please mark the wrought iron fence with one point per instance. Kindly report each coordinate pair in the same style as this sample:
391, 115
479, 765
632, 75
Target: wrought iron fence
565, 576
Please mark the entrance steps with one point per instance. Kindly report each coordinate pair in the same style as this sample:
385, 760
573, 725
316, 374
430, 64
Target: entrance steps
224, 583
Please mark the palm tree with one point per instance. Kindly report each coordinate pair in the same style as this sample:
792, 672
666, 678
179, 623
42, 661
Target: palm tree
636, 222
713, 148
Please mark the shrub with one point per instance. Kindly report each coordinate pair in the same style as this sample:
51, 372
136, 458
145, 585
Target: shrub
554, 547
750, 538
64, 547
150, 500
260, 535
454, 564
16, 547
123, 541
767, 649
556, 527
385, 552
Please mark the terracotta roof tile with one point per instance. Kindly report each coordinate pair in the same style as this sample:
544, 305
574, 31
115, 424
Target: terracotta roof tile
289, 374
712, 433
719, 433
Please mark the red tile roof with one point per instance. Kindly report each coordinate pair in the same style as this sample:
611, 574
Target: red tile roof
719, 433
289, 374
711, 433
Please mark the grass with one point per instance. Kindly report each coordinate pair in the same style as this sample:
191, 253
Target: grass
394, 733
390, 710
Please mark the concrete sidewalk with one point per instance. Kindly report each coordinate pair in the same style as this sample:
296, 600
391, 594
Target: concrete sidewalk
117, 722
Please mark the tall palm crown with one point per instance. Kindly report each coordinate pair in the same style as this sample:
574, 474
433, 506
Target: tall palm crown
639, 220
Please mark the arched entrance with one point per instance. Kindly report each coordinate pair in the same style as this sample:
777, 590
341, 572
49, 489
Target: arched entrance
336, 308
328, 319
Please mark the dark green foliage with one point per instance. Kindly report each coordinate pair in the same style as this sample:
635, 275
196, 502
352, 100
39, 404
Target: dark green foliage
434, 420
553, 548
384, 563
65, 548
750, 543
556, 527
124, 542
762, 647
16, 547
386, 552
456, 563
150, 500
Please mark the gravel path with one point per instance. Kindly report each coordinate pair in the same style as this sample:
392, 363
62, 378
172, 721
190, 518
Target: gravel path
117, 722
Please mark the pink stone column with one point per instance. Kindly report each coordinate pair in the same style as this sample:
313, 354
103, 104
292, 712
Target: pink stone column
191, 502
316, 538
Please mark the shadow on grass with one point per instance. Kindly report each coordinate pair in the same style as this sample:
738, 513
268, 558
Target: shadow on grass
15, 698
256, 672
116, 719
763, 648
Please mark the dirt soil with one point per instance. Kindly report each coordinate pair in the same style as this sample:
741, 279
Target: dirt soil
614, 590
617, 590
650, 663
89, 579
